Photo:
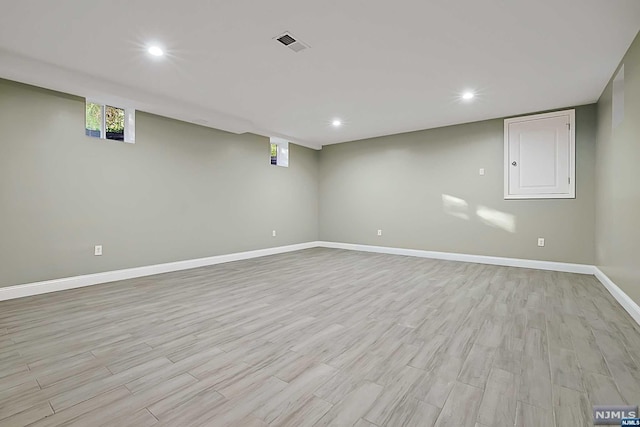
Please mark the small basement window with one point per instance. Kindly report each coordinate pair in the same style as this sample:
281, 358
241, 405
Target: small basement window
274, 154
279, 152
114, 121
109, 122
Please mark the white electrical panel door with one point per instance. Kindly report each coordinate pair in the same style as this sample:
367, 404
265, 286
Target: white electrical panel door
540, 156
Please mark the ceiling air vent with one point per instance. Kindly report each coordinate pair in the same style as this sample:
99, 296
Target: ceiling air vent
286, 39
291, 42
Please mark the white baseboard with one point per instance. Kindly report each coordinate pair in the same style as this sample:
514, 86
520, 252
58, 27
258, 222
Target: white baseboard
625, 301
37, 288
478, 259
47, 286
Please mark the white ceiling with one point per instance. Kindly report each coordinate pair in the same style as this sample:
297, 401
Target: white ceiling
381, 66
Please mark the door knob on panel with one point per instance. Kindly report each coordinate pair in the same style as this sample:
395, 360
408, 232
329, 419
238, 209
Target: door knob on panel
514, 163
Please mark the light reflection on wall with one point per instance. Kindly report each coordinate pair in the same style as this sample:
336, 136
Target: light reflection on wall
455, 206
459, 208
496, 218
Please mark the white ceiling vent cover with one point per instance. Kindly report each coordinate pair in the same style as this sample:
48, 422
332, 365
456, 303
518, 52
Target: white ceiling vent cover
292, 42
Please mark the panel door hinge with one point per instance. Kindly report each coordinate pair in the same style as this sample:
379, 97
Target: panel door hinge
569, 126
569, 180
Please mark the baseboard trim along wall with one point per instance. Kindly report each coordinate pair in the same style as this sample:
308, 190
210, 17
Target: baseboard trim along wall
478, 259
37, 288
47, 286
625, 301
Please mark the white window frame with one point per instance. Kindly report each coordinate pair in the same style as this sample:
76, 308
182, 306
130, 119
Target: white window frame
129, 121
282, 153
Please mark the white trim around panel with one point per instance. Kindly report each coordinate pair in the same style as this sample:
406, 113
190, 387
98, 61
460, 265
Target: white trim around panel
571, 113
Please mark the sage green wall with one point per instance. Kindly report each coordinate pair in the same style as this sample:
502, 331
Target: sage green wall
396, 183
618, 178
180, 192
185, 191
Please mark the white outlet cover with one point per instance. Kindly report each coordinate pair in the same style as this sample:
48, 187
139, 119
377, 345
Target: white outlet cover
379, 232
481, 171
541, 241
273, 233
97, 250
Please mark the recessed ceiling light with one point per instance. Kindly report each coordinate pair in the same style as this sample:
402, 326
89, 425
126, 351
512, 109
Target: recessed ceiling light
467, 96
155, 51
336, 123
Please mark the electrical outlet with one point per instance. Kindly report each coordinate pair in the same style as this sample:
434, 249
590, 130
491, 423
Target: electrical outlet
541, 241
273, 233
379, 232
481, 171
97, 251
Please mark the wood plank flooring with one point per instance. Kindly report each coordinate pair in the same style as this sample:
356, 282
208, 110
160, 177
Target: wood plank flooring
320, 337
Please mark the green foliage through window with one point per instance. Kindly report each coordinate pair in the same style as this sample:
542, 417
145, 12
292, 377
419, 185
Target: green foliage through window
114, 118
93, 117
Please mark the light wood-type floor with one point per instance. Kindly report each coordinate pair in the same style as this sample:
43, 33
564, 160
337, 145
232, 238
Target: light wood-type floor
320, 337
